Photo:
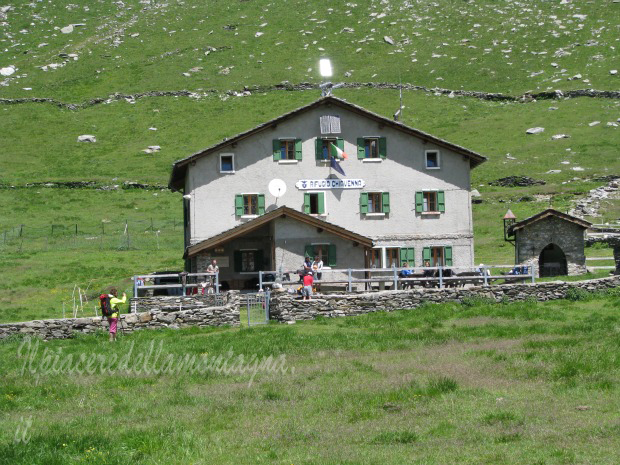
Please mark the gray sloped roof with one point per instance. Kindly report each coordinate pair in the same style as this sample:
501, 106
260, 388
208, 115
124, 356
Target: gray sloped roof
549, 212
179, 167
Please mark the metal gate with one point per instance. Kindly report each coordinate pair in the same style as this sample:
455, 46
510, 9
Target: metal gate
257, 308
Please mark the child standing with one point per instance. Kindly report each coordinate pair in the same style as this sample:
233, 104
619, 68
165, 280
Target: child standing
306, 292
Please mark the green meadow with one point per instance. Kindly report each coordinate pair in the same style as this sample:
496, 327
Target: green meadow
477, 383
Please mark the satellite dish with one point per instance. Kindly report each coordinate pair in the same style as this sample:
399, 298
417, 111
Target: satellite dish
277, 188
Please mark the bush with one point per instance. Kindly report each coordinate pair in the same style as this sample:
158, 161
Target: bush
577, 293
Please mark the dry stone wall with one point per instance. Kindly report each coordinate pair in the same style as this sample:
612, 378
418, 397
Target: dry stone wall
286, 308
160, 312
178, 312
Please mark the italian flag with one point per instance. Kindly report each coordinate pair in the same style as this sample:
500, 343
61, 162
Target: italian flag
337, 153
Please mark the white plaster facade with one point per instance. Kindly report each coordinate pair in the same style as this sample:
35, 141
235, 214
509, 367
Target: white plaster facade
210, 193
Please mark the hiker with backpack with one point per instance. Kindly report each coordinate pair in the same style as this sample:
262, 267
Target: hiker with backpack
109, 308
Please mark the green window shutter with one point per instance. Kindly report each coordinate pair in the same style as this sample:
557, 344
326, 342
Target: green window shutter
403, 256
309, 251
441, 201
277, 155
382, 147
331, 255
419, 202
361, 149
238, 205
340, 143
411, 256
318, 148
364, 203
261, 204
321, 199
297, 149
447, 255
259, 260
237, 261
407, 254
385, 199
306, 202
426, 253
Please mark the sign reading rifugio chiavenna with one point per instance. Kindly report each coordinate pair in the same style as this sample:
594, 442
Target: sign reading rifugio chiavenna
303, 184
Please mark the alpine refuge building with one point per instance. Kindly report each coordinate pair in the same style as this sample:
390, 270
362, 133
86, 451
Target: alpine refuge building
329, 179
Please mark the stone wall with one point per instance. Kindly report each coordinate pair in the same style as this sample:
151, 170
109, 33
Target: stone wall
176, 303
195, 311
286, 308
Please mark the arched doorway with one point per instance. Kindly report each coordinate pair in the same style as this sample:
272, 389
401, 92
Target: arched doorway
552, 262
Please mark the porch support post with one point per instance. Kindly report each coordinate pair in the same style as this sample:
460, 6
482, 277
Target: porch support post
395, 277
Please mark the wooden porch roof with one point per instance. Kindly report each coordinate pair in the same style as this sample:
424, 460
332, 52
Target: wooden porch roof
282, 212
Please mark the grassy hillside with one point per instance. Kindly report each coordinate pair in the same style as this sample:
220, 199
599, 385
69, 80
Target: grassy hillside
135, 47
470, 384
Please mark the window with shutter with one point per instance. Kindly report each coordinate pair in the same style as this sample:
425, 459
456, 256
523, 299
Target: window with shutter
374, 202
430, 202
438, 256
314, 203
325, 252
371, 148
249, 204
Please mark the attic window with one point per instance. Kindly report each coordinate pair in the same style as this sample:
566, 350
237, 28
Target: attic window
227, 163
330, 124
432, 161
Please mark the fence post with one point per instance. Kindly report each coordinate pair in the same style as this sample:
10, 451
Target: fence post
217, 282
532, 273
349, 279
260, 281
484, 275
102, 228
21, 230
76, 229
395, 277
135, 286
440, 277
